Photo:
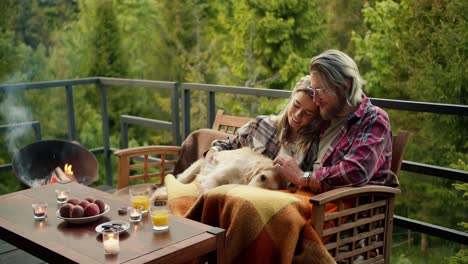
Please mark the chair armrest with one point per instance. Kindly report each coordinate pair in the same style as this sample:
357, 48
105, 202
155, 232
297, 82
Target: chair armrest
145, 150
344, 192
357, 223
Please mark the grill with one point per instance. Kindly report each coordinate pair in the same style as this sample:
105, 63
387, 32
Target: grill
35, 164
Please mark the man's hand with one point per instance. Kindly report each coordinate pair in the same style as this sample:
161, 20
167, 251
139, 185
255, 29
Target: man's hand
314, 185
290, 170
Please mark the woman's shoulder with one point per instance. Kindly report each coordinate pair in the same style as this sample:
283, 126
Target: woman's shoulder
261, 122
266, 120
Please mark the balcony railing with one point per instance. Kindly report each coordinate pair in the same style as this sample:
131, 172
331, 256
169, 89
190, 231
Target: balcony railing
211, 90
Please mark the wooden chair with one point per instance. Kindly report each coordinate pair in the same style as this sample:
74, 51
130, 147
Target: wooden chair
155, 162
360, 230
228, 124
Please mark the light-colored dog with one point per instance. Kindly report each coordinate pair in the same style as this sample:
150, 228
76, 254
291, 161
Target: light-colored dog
239, 166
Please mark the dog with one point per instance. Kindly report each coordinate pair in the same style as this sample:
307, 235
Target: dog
239, 166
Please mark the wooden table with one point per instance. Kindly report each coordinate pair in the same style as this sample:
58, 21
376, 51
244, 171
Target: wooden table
57, 241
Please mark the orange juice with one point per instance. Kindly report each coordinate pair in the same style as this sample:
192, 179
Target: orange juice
141, 200
160, 219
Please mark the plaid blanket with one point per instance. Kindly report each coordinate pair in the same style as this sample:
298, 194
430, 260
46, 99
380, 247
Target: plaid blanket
262, 226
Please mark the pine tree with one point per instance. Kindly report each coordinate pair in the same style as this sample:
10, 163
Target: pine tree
108, 61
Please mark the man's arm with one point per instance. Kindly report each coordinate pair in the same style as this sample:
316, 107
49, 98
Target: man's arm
355, 163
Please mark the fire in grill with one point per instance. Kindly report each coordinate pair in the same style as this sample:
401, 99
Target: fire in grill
43, 161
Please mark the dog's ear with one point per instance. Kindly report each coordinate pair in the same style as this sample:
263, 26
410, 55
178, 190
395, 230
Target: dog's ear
252, 173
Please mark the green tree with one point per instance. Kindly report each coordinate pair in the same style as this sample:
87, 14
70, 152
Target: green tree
106, 46
462, 256
189, 28
9, 53
270, 43
343, 18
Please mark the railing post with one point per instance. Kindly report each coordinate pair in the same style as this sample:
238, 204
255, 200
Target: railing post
37, 130
105, 134
124, 134
186, 110
175, 115
211, 108
71, 113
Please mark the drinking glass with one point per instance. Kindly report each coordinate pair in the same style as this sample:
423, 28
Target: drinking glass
159, 215
139, 196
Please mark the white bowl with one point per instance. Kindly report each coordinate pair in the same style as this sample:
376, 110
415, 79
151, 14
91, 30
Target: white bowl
82, 220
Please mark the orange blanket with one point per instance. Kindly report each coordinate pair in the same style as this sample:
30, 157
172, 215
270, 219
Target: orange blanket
262, 226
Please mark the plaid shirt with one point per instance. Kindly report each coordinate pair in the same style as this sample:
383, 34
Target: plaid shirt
361, 153
263, 137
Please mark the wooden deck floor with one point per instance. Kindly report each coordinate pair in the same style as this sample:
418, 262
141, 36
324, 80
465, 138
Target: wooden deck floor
10, 254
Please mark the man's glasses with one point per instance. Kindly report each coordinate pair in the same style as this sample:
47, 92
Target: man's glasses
316, 92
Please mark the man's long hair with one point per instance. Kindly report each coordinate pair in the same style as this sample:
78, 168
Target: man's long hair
336, 69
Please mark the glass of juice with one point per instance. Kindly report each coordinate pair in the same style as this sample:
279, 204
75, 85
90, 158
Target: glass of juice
159, 215
139, 196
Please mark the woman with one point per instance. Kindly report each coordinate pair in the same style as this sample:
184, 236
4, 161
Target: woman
292, 134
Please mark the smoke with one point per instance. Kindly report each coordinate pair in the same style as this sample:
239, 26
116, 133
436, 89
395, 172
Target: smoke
13, 113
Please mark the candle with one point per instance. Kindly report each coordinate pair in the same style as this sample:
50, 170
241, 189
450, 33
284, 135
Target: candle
111, 246
62, 196
111, 242
39, 210
135, 213
134, 216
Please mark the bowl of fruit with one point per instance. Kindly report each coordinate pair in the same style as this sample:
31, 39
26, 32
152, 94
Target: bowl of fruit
78, 211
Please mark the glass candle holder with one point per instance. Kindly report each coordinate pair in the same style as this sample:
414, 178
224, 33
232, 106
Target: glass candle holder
134, 213
39, 210
110, 241
62, 195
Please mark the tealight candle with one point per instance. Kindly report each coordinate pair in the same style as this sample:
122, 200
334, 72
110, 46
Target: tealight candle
110, 240
135, 213
62, 196
39, 210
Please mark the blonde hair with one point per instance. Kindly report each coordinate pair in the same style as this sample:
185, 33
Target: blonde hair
306, 133
335, 68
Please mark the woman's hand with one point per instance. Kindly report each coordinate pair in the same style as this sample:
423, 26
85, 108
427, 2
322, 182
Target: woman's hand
290, 170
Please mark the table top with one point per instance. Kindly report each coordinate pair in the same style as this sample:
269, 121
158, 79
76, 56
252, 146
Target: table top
54, 239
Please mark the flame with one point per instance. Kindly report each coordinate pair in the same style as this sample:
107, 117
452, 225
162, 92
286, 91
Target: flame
68, 169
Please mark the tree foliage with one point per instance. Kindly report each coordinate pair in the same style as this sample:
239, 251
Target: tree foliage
108, 59
270, 43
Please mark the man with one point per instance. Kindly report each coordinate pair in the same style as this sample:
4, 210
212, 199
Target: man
355, 146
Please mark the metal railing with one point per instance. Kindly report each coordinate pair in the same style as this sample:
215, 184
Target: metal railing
212, 90
102, 84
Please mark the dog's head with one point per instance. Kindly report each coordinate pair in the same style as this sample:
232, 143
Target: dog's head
269, 178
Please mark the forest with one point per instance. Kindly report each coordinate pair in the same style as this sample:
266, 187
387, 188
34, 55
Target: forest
412, 50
